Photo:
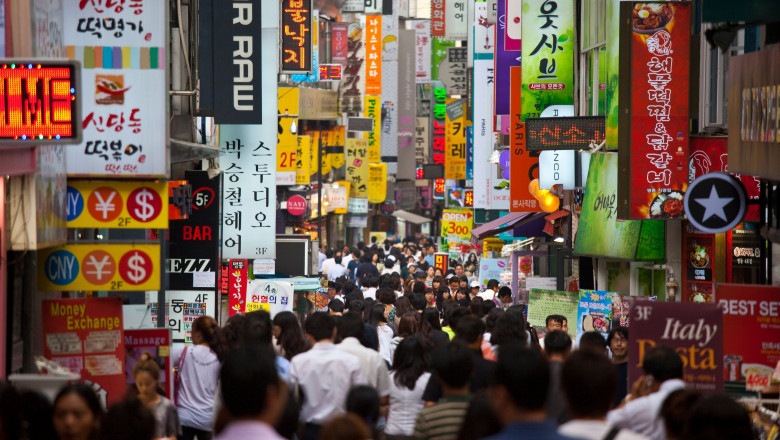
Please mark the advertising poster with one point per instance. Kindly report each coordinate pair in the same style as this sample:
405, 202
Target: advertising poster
373, 110
695, 331
498, 180
182, 308
654, 135
612, 61
455, 156
85, 336
115, 204
373, 54
456, 227
508, 43
407, 106
439, 47
339, 36
422, 51
270, 295
352, 79
156, 342
524, 164
594, 312
357, 167
621, 308
751, 335
377, 182
543, 303
491, 269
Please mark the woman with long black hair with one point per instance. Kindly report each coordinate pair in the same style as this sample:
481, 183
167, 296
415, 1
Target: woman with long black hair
289, 338
408, 379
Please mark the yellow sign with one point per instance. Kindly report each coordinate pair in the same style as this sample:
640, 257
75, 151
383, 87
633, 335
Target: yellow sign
455, 156
456, 227
326, 139
373, 109
337, 159
357, 167
302, 156
492, 244
377, 182
117, 204
380, 237
287, 141
251, 307
108, 267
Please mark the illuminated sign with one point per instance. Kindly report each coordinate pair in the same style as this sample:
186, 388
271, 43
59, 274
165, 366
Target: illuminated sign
468, 198
296, 36
115, 204
440, 261
439, 188
564, 133
38, 102
330, 72
419, 173
430, 171
439, 125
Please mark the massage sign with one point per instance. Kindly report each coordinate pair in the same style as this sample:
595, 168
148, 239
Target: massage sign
655, 46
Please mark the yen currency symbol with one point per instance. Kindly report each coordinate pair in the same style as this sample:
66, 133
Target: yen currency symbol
99, 267
135, 267
104, 204
144, 204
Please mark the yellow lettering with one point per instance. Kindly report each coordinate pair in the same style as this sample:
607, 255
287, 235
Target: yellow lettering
642, 342
708, 360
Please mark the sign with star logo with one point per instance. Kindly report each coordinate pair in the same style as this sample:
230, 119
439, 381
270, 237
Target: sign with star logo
715, 202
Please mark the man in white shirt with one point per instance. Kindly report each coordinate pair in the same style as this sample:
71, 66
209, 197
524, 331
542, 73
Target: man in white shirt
368, 287
336, 270
641, 412
325, 374
588, 396
351, 329
320, 258
327, 262
490, 291
347, 253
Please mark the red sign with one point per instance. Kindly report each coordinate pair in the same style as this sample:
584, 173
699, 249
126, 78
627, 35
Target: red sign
156, 342
660, 48
439, 188
437, 18
751, 337
564, 133
85, 336
237, 282
38, 102
144, 205
440, 261
296, 36
330, 72
524, 164
339, 39
296, 205
695, 331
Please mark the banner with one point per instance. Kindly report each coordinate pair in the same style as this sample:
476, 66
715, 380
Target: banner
373, 54
339, 135
497, 185
594, 312
247, 157
508, 54
116, 204
455, 156
491, 269
352, 79
654, 135
124, 97
238, 277
455, 26
483, 128
524, 164
453, 71
456, 227
302, 160
407, 105
111, 267
313, 46
422, 51
357, 167
156, 342
182, 308
377, 182
548, 55
751, 330
438, 14
543, 303
695, 331
339, 37
439, 48
389, 126
269, 295
373, 110
85, 336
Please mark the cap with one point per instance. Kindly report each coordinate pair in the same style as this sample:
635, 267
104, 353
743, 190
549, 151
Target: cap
475, 284
391, 257
419, 274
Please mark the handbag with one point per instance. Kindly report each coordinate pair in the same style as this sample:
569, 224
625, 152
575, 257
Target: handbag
177, 377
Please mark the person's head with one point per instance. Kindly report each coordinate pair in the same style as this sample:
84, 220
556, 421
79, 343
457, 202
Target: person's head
363, 401
389, 263
487, 306
385, 295
453, 283
320, 327
333, 290
491, 316
128, 419
505, 295
418, 301
205, 330
492, 284
520, 382
589, 395
476, 307
36, 410
351, 326
618, 344
429, 272
419, 275
718, 417
593, 340
258, 328
431, 317
461, 293
373, 239
458, 270
346, 427
13, 416
146, 373
565, 325
429, 297
335, 307
437, 282
375, 257
289, 334
337, 259
378, 314
453, 365
480, 420
676, 410
418, 287
454, 314
470, 329
475, 286
509, 329
407, 325
557, 344
329, 253
663, 363
410, 361
77, 412
251, 388
554, 322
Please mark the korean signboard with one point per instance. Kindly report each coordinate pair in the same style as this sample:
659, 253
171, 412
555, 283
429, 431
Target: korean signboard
455, 26
543, 303
695, 331
373, 110
115, 204
483, 124
508, 54
156, 342
357, 167
439, 146
353, 79
339, 37
439, 48
548, 55
330, 72
313, 76
456, 227
247, 157
238, 277
124, 88
85, 336
455, 156
296, 36
377, 182
112, 267
441, 261
302, 160
452, 71
353, 6
182, 309
373, 54
594, 312
654, 135
524, 165
438, 14
287, 140
421, 150
698, 265
564, 133
422, 51
269, 295
407, 105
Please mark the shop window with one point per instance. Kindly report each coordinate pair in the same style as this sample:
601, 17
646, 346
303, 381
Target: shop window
713, 88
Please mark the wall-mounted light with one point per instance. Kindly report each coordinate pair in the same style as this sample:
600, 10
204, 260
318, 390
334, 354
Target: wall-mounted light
548, 201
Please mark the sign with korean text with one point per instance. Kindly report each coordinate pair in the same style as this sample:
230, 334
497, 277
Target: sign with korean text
287, 141
456, 227
751, 336
373, 110
439, 147
296, 36
85, 336
339, 37
112, 267
270, 295
452, 71
438, 14
51, 87
353, 80
302, 159
441, 261
116, 204
564, 133
238, 277
156, 342
123, 88
353, 6
695, 331
422, 51
357, 205
313, 76
698, 265
330, 72
455, 157
654, 136
543, 303
357, 167
524, 165
182, 308
439, 48
247, 157
548, 55
373, 54
508, 55
483, 128
455, 26
337, 159
594, 312
377, 182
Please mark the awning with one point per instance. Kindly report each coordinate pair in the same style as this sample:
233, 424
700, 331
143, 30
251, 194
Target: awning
509, 221
410, 217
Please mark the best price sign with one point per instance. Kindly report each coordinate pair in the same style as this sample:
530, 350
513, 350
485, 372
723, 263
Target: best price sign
99, 267
116, 204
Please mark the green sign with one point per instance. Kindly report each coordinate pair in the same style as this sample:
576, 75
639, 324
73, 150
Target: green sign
543, 303
438, 53
600, 233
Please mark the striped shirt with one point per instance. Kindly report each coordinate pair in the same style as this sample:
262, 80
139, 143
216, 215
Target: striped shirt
442, 421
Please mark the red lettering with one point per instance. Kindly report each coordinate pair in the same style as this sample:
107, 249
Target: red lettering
197, 233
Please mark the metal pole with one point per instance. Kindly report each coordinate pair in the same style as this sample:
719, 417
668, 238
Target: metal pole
319, 186
161, 321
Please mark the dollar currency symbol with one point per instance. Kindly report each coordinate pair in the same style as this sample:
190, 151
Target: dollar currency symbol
143, 199
136, 271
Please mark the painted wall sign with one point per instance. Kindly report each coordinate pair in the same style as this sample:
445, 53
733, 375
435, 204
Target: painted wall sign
297, 34
115, 204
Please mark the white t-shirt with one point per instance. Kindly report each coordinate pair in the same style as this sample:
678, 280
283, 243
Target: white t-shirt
595, 430
487, 294
370, 293
336, 271
385, 335
405, 404
199, 374
373, 365
326, 265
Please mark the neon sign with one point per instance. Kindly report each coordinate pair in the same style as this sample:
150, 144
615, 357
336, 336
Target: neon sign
330, 72
439, 188
38, 102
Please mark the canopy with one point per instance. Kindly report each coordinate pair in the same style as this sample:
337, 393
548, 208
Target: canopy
509, 221
410, 217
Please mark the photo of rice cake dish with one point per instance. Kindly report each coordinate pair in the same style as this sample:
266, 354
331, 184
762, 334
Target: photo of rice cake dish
667, 205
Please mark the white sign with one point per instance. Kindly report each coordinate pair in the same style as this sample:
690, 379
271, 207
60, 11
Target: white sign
357, 221
557, 167
270, 295
422, 51
546, 283
484, 30
357, 205
184, 307
483, 129
337, 197
455, 20
124, 91
353, 6
264, 266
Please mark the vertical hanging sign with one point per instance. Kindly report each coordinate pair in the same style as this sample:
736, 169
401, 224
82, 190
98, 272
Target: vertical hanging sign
352, 79
524, 164
373, 54
314, 76
373, 110
422, 51
508, 44
357, 167
296, 36
302, 159
437, 17
339, 38
455, 157
439, 146
377, 182
455, 20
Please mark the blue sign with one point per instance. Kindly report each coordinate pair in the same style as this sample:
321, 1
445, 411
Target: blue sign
469, 152
75, 204
61, 267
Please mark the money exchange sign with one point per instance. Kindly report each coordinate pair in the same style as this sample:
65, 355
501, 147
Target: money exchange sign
115, 204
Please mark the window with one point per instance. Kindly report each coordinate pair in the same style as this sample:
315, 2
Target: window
713, 88
593, 72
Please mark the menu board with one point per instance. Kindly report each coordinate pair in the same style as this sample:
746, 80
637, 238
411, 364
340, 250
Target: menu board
156, 342
543, 303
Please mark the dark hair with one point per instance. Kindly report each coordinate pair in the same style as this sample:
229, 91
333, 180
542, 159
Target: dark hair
622, 331
504, 291
385, 295
480, 420
717, 417
329, 253
663, 363
335, 305
429, 321
469, 329
12, 416
557, 342
245, 377
357, 305
291, 338
354, 295
418, 287
212, 335
487, 307
337, 259
320, 326
592, 340
525, 374
233, 330
418, 301
403, 306
368, 304
508, 329
410, 361
258, 329
363, 401
351, 326
389, 263
492, 284
346, 427
407, 325
589, 395
476, 307
491, 317
147, 364
676, 410
453, 279
453, 364
555, 318
36, 411
84, 391
128, 419
377, 314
